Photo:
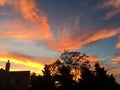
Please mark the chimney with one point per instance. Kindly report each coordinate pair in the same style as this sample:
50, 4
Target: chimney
7, 67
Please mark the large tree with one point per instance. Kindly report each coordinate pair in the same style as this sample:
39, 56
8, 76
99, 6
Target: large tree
73, 71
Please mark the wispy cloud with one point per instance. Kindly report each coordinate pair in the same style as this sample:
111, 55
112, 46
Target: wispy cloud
116, 58
30, 12
117, 55
112, 14
111, 3
114, 4
118, 43
38, 28
72, 41
35, 18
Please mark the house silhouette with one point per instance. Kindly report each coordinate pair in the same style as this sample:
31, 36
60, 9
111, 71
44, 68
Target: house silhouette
13, 80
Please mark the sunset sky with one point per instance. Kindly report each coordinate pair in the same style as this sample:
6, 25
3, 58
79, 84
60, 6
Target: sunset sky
34, 32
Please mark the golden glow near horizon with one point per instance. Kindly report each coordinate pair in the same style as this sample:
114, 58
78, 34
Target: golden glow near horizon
34, 66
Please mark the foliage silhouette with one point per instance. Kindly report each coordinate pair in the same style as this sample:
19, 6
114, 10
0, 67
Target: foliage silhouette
73, 71
65, 78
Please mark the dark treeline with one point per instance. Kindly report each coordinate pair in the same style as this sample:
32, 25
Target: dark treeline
73, 71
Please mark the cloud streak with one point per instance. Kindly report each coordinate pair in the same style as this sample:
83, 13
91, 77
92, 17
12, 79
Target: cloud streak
116, 58
35, 18
69, 37
94, 59
118, 43
28, 61
114, 4
30, 13
69, 41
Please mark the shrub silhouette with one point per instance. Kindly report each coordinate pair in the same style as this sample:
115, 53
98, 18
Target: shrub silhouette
73, 71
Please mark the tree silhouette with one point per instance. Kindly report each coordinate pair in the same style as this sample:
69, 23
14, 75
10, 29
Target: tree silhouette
97, 79
48, 78
72, 60
105, 80
65, 78
73, 71
34, 82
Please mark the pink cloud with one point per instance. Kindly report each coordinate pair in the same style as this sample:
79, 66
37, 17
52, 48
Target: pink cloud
115, 4
111, 14
118, 43
35, 18
2, 2
116, 58
111, 3
69, 41
94, 59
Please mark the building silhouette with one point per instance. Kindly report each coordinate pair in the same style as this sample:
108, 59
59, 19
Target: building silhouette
13, 80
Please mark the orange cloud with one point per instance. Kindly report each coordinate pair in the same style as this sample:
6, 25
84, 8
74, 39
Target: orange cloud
12, 35
118, 43
69, 41
2, 2
16, 30
19, 31
116, 58
102, 34
94, 59
35, 20
30, 12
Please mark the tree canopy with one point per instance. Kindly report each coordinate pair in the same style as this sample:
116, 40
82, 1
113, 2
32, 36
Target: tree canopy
73, 70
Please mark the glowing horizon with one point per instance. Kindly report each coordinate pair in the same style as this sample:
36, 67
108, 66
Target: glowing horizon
26, 63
